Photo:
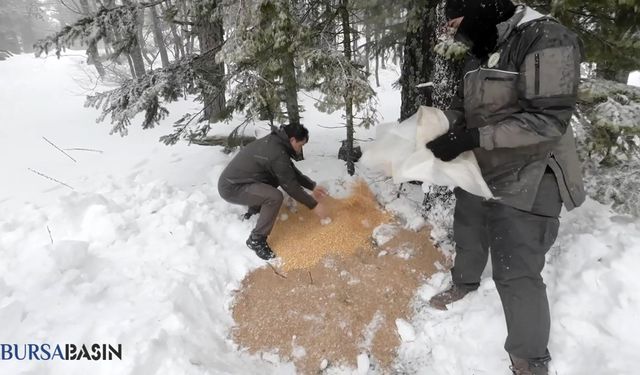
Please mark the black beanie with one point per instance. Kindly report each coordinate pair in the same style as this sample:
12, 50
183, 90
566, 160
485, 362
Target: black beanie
454, 9
480, 20
493, 9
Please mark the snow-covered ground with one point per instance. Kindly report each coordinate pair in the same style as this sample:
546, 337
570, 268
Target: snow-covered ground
139, 249
634, 78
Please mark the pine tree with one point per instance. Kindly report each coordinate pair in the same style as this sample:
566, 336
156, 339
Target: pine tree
278, 47
264, 50
608, 128
610, 30
19, 20
148, 91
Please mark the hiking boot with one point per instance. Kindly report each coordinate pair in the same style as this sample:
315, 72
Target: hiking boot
455, 293
532, 366
261, 247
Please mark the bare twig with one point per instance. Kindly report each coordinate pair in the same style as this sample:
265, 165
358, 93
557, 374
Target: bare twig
276, 271
332, 127
50, 236
310, 278
59, 149
50, 178
84, 149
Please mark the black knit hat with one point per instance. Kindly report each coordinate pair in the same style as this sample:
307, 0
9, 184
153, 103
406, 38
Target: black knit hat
500, 9
454, 9
478, 27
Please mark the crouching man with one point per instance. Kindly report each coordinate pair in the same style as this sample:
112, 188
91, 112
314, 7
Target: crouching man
254, 174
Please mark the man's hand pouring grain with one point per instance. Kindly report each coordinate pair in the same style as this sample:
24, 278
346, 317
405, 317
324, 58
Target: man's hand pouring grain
321, 211
319, 193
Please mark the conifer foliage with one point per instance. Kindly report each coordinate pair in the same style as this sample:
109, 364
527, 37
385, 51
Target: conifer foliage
271, 49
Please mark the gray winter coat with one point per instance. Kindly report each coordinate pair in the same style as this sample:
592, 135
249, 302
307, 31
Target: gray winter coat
268, 160
522, 100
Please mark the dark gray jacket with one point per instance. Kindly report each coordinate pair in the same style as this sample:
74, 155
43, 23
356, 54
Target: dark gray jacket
268, 160
522, 100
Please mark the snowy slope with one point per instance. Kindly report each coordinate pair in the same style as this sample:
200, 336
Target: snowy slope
144, 253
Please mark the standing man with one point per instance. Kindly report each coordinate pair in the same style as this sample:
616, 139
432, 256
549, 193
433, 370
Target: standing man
254, 174
513, 111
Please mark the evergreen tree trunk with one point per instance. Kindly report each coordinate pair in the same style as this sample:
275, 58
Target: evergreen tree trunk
132, 69
27, 34
94, 56
377, 66
417, 66
190, 41
348, 100
138, 61
140, 39
353, 33
290, 88
446, 75
159, 39
329, 31
210, 34
178, 49
367, 49
9, 42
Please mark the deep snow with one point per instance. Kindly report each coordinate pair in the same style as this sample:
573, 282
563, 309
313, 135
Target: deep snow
144, 253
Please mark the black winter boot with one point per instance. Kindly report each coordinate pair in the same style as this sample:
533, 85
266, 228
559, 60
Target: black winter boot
261, 247
532, 366
455, 293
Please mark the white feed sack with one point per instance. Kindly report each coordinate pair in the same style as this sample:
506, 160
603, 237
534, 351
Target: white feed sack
399, 151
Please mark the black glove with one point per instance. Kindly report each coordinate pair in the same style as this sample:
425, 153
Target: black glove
449, 145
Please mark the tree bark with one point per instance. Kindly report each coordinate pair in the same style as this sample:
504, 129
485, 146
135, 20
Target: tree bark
94, 56
210, 35
159, 39
377, 69
446, 75
178, 49
136, 51
367, 49
290, 88
348, 99
417, 66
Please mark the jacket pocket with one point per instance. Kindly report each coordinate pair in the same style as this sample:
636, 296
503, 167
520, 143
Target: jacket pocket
499, 91
549, 72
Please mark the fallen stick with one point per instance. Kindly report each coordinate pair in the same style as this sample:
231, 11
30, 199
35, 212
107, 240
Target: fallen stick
50, 236
59, 149
276, 271
83, 149
50, 178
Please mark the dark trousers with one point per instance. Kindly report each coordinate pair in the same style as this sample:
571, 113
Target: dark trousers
265, 196
517, 241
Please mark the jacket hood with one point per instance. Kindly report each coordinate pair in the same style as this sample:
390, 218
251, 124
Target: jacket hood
523, 16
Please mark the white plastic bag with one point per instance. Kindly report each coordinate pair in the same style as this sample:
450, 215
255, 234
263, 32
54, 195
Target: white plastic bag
399, 151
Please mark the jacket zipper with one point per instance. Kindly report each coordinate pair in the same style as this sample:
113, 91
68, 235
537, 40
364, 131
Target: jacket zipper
502, 79
564, 178
494, 70
537, 77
